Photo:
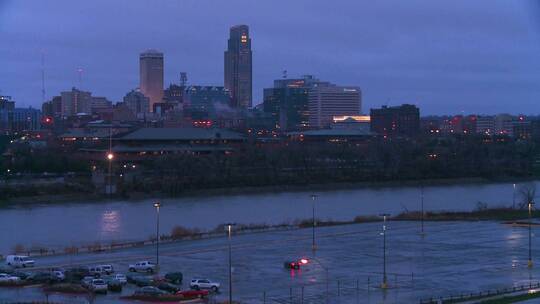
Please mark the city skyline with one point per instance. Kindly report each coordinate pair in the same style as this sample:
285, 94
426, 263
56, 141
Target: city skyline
490, 68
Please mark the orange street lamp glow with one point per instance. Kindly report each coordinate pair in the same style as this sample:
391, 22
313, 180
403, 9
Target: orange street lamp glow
110, 156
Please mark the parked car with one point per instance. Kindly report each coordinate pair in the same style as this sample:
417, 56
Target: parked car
174, 277
114, 285
59, 275
167, 287
19, 261
96, 271
143, 266
43, 278
108, 269
86, 281
204, 284
149, 291
76, 274
7, 278
98, 286
192, 294
20, 274
139, 280
120, 278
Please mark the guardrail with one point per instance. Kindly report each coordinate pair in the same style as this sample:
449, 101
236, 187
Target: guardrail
479, 295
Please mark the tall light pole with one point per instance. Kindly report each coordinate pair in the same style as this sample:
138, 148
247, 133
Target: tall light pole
157, 205
384, 284
514, 197
110, 157
530, 262
313, 246
229, 231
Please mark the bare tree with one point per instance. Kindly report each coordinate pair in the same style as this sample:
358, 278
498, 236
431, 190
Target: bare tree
527, 193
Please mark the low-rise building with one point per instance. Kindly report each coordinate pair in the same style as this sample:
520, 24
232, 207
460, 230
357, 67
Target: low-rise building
401, 120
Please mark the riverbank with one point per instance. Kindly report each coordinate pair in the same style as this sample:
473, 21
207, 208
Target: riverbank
511, 216
85, 197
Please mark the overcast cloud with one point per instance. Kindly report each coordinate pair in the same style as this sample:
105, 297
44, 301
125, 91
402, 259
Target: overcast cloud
471, 56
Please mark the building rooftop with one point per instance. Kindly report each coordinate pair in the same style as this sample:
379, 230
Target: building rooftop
159, 148
333, 132
82, 133
182, 134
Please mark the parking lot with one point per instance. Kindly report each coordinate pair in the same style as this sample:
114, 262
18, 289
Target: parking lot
452, 258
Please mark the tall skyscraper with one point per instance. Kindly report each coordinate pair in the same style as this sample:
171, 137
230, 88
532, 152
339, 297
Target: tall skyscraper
151, 76
238, 67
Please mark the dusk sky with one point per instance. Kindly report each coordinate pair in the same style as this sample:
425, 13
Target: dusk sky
447, 57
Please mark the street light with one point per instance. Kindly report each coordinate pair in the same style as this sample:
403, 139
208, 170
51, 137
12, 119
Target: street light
530, 262
157, 205
384, 284
229, 231
313, 246
514, 197
110, 157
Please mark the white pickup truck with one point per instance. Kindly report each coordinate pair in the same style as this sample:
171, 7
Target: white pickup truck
143, 266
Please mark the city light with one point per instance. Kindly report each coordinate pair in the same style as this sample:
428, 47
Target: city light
110, 156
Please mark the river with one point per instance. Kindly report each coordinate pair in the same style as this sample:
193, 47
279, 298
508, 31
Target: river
68, 224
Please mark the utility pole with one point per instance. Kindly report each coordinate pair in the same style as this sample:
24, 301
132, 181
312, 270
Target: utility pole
384, 284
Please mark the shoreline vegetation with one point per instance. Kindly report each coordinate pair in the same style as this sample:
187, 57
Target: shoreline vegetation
69, 194
509, 216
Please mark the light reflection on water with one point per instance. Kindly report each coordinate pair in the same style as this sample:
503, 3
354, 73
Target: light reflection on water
110, 223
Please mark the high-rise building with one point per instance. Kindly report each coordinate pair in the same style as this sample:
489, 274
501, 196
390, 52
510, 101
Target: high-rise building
327, 101
287, 102
6, 113
26, 119
402, 120
76, 102
137, 103
151, 75
238, 67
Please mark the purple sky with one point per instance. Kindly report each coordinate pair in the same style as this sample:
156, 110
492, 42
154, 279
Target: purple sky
478, 56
